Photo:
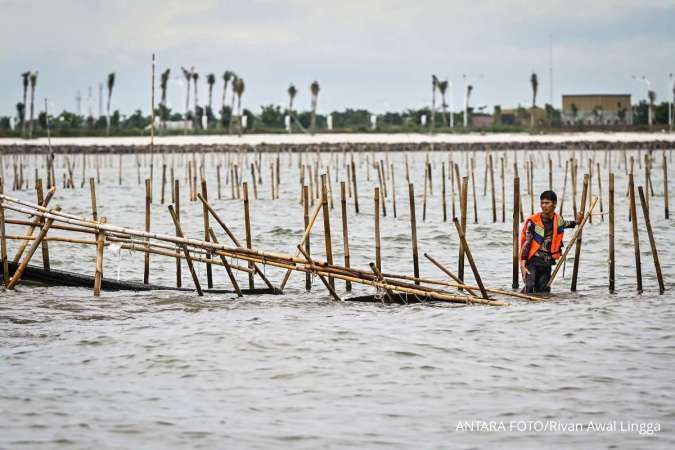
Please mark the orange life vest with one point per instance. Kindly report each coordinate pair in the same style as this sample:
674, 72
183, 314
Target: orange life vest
539, 236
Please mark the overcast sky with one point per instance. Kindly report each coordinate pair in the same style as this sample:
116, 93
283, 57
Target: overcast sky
375, 54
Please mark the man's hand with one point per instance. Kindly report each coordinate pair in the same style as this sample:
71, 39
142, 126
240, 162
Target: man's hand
580, 217
523, 269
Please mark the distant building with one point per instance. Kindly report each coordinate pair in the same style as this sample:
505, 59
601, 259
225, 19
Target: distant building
480, 120
520, 116
597, 109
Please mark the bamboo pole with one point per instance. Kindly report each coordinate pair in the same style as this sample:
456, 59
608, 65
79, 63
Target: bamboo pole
652, 242
326, 226
492, 186
31, 251
443, 202
31, 228
227, 266
469, 256
612, 263
515, 232
448, 273
665, 187
45, 247
393, 190
328, 284
636, 240
562, 199
308, 229
376, 212
413, 231
387, 290
98, 277
207, 237
247, 229
188, 259
462, 213
163, 183
176, 202
148, 203
3, 237
577, 235
577, 249
345, 229
501, 162
356, 195
473, 190
305, 206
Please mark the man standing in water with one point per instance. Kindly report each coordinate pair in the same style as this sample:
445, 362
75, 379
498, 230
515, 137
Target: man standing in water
541, 242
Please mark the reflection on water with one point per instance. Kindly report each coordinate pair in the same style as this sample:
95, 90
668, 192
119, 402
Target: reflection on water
165, 369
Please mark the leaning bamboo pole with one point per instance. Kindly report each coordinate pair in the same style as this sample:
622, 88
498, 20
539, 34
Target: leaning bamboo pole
3, 238
577, 235
652, 242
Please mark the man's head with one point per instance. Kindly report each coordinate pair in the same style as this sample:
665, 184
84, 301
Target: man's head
548, 201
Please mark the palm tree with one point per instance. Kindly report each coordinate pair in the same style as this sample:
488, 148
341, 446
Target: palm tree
535, 85
239, 90
442, 88
25, 76
469, 88
188, 77
651, 95
163, 84
210, 80
314, 89
434, 85
227, 76
33, 82
292, 92
234, 91
195, 78
111, 85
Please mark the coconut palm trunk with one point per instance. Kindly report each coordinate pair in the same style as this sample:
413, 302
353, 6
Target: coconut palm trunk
195, 79
227, 76
234, 94
25, 79
467, 98
535, 85
292, 92
434, 85
651, 95
188, 77
314, 89
442, 88
33, 82
111, 85
239, 89
163, 85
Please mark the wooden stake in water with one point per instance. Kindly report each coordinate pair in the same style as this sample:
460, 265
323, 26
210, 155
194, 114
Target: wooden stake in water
356, 195
492, 185
186, 253
612, 262
473, 190
305, 206
45, 247
148, 203
326, 226
31, 251
231, 276
469, 256
665, 186
445, 207
3, 237
413, 232
636, 239
345, 230
376, 202
463, 193
393, 190
163, 183
577, 249
207, 237
100, 243
652, 242
515, 232
247, 230
176, 202
92, 191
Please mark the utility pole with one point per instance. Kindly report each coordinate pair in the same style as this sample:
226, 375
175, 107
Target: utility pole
78, 102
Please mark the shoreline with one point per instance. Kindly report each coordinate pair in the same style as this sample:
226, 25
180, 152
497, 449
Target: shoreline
343, 142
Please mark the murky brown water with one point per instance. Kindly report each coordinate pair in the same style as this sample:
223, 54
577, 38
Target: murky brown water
166, 369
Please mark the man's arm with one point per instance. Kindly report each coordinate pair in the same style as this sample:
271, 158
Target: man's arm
529, 235
572, 223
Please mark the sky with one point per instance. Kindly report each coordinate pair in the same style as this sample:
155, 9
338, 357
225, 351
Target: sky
374, 54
